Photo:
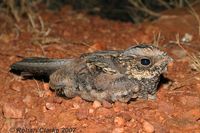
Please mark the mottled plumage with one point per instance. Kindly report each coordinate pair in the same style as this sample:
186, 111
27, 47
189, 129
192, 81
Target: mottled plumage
107, 75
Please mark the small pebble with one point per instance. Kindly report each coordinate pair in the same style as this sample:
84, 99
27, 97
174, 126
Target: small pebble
28, 100
197, 78
46, 86
44, 109
57, 100
76, 106
32, 118
198, 85
119, 121
50, 106
96, 104
148, 127
48, 93
125, 116
91, 111
117, 109
82, 114
107, 104
132, 120
15, 87
85, 125
118, 130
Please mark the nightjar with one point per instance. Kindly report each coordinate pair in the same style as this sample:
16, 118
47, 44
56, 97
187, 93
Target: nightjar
120, 75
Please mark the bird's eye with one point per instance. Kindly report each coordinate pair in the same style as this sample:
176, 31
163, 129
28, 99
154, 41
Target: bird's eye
145, 61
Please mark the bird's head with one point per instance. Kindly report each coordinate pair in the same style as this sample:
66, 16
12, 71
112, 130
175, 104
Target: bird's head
144, 61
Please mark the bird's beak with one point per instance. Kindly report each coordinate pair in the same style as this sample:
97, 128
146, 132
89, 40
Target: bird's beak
168, 61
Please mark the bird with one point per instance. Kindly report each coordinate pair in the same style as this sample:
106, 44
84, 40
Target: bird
110, 75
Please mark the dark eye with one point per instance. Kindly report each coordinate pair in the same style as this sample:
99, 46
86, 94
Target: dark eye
145, 61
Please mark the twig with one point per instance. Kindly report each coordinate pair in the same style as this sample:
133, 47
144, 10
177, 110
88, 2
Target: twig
164, 4
43, 51
143, 8
179, 44
31, 21
41, 23
136, 42
40, 93
193, 57
156, 38
195, 14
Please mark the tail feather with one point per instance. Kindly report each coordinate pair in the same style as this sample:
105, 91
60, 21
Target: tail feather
37, 66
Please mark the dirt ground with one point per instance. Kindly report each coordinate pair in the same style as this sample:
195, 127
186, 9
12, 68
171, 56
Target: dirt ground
29, 105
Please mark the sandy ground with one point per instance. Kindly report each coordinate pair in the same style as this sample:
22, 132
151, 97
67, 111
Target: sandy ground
29, 105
